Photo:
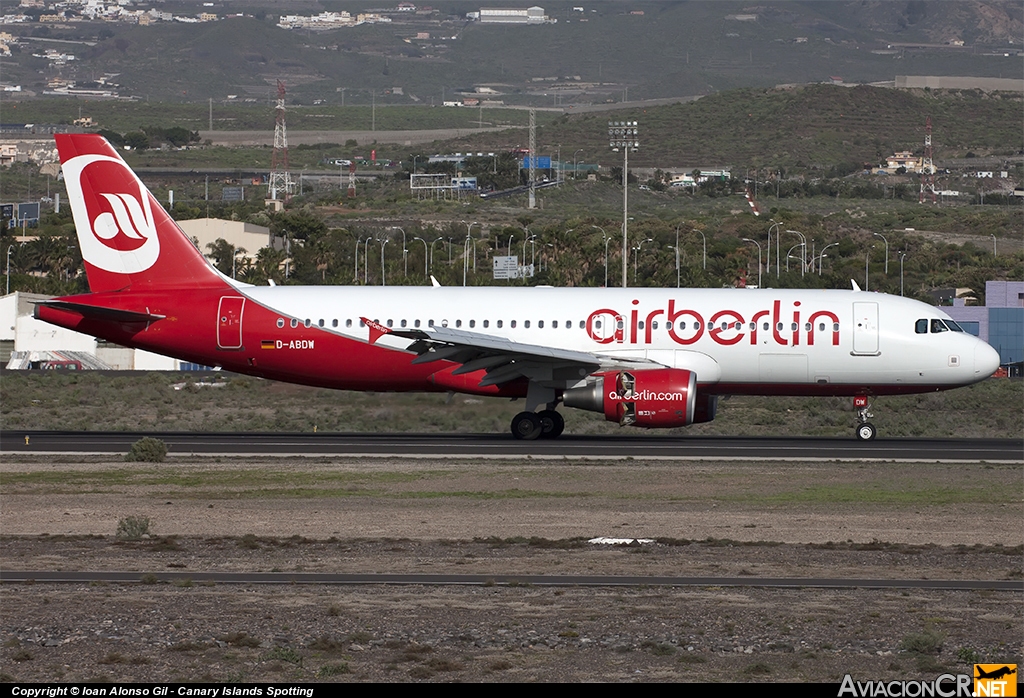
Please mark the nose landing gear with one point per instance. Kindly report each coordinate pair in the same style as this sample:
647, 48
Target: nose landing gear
865, 430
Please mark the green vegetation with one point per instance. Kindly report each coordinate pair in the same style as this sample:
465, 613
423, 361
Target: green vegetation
147, 450
87, 401
133, 527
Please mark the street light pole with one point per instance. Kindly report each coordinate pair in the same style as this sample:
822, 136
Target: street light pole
677, 256
803, 239
758, 259
382, 272
886, 251
778, 248
425, 272
624, 134
11, 247
405, 251
821, 257
704, 240
903, 255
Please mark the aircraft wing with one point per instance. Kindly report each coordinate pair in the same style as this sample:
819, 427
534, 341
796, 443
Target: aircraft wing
503, 359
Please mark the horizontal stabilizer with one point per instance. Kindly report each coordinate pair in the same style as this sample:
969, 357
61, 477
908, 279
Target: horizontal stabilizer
102, 313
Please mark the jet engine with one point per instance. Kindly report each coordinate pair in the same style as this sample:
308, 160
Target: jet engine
663, 397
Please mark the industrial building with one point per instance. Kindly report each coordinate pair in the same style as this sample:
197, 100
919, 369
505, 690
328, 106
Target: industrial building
1000, 322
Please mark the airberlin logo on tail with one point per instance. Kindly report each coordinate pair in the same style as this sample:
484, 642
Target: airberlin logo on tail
113, 214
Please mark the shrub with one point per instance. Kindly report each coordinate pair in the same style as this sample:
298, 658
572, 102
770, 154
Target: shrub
133, 527
147, 450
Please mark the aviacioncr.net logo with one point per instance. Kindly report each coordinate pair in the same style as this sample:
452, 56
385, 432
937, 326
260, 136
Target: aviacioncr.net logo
113, 214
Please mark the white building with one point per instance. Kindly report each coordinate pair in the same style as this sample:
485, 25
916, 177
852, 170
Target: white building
513, 15
26, 342
245, 236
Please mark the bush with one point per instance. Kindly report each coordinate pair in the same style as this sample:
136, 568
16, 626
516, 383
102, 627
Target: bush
133, 527
147, 450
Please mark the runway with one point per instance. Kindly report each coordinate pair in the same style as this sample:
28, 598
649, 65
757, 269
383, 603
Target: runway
641, 446
136, 577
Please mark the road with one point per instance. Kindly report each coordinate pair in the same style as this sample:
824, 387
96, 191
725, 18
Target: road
642, 446
552, 580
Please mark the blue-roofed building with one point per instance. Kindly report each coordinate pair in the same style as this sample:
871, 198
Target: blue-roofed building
1000, 322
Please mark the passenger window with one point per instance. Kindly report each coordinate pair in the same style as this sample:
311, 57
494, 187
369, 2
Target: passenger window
416, 323
526, 324
307, 322
654, 324
472, 323
334, 322
835, 326
682, 325
295, 322
764, 327
444, 323
430, 323
939, 326
512, 323
361, 323
794, 326
737, 325
540, 324
583, 324
640, 325
348, 323
821, 327
404, 323
554, 324
597, 324
487, 323
779, 326
458, 323
500, 322
668, 325
321, 323
280, 322
921, 327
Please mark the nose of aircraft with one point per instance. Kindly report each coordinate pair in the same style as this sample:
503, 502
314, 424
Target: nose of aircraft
986, 360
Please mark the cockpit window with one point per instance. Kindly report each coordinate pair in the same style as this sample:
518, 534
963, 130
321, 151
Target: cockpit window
921, 327
953, 326
939, 326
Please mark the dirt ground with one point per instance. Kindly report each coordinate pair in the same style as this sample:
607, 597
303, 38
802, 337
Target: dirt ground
870, 520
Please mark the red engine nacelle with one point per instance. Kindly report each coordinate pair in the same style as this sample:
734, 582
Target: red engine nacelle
663, 397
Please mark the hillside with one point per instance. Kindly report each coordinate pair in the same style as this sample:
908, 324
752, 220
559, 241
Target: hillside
606, 53
818, 126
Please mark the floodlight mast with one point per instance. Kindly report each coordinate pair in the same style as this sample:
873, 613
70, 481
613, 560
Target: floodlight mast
625, 135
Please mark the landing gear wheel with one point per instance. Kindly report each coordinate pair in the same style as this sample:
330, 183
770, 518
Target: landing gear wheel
552, 424
526, 426
865, 431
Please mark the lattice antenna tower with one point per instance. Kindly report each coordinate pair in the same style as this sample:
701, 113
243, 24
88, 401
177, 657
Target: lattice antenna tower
927, 167
280, 177
533, 158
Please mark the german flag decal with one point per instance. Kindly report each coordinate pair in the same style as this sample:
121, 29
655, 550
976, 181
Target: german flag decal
268, 344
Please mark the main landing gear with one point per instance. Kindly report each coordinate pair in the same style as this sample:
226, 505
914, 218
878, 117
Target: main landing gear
546, 424
865, 430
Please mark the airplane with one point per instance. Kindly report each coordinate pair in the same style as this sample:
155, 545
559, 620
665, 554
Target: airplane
644, 357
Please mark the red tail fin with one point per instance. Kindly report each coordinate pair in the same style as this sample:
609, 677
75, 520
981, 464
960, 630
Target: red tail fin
127, 238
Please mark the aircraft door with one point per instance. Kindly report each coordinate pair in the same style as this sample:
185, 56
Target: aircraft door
865, 329
229, 322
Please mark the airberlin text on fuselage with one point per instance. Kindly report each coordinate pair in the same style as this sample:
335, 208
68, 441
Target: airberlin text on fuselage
726, 327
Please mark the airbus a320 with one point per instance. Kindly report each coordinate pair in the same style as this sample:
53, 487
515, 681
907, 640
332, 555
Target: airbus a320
653, 358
